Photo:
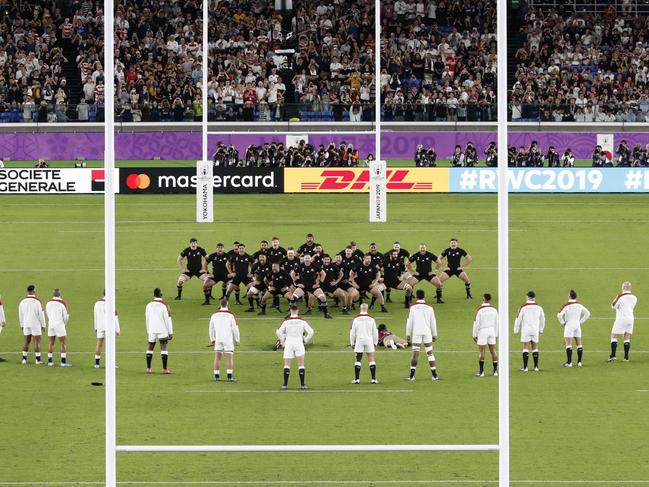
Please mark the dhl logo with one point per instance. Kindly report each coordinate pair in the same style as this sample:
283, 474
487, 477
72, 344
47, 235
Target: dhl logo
358, 180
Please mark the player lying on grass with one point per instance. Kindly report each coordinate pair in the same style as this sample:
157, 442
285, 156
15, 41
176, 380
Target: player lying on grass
388, 339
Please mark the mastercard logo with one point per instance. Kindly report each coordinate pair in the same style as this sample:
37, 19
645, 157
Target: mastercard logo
138, 181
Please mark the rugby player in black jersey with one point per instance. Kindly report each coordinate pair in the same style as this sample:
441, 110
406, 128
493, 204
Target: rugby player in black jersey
278, 283
276, 253
393, 270
403, 254
192, 264
238, 271
331, 282
258, 287
263, 249
307, 280
346, 265
424, 261
218, 259
366, 278
454, 267
377, 257
231, 253
308, 247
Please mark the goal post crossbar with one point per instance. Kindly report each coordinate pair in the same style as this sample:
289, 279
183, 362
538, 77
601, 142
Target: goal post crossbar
301, 448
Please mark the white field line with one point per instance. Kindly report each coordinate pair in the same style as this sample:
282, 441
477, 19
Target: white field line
310, 391
330, 482
469, 269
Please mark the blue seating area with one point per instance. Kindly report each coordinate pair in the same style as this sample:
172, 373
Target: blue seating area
318, 116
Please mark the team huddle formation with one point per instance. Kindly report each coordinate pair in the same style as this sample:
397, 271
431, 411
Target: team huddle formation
349, 278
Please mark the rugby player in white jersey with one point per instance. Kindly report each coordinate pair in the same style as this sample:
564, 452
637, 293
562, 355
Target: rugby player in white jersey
293, 334
421, 329
32, 322
57, 319
364, 337
99, 312
530, 322
224, 334
159, 328
571, 316
624, 306
485, 331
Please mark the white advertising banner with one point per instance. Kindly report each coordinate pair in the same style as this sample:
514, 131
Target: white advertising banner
378, 192
52, 181
204, 192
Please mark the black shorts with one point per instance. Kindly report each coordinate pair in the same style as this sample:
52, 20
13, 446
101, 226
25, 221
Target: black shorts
220, 277
191, 274
425, 277
392, 284
453, 272
345, 286
328, 288
277, 292
236, 280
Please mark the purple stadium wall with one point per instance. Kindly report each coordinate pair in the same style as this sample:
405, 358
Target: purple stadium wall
186, 145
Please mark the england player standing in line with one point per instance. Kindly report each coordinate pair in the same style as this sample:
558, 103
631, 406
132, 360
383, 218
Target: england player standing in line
32, 321
571, 316
454, 266
159, 328
624, 305
57, 319
195, 266
485, 331
224, 334
99, 313
530, 322
364, 337
293, 334
421, 329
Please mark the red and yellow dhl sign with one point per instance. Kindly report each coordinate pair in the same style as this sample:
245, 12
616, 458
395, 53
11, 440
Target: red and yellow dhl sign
356, 180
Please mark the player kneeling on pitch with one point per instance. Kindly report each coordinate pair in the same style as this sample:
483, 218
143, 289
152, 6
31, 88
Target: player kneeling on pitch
159, 328
57, 317
364, 337
530, 322
224, 334
421, 328
485, 331
624, 305
293, 334
571, 316
100, 327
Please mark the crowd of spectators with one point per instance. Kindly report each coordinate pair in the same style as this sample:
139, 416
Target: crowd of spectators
302, 154
582, 67
438, 60
270, 65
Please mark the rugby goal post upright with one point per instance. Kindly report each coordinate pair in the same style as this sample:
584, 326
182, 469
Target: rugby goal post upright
503, 282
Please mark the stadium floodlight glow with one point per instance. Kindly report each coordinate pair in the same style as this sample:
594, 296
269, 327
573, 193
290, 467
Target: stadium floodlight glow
503, 271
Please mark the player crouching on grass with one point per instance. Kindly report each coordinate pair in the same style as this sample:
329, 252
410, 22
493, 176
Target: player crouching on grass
159, 328
307, 280
485, 331
364, 337
530, 322
571, 316
224, 334
421, 329
293, 334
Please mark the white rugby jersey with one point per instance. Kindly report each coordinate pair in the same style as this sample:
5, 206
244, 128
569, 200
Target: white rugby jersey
100, 313
223, 326
158, 317
364, 329
30, 312
421, 320
3, 319
624, 304
573, 313
486, 318
294, 328
530, 318
57, 312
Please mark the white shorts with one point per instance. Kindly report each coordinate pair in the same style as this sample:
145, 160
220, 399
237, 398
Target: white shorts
101, 333
622, 327
224, 346
486, 337
381, 287
153, 337
530, 337
293, 349
425, 338
364, 346
32, 330
56, 331
572, 331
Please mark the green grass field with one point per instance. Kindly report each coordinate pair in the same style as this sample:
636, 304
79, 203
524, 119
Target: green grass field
587, 425
173, 163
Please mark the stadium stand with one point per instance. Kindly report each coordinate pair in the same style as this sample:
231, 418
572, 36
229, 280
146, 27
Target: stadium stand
314, 62
438, 60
